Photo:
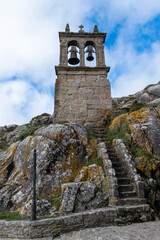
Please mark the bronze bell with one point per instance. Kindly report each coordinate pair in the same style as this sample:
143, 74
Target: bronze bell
73, 60
90, 51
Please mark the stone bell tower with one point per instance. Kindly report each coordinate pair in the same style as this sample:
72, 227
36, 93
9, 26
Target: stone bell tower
82, 93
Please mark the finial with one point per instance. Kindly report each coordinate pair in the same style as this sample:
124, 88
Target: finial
81, 27
95, 29
67, 29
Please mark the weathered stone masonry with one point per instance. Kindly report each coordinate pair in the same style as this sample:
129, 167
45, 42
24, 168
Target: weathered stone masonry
82, 94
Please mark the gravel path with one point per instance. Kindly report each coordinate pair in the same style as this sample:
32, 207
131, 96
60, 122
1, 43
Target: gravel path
137, 231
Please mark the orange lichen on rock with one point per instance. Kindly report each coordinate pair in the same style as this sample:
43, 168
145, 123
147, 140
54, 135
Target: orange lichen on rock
26, 156
137, 116
136, 121
92, 147
144, 165
82, 175
118, 122
92, 173
3, 167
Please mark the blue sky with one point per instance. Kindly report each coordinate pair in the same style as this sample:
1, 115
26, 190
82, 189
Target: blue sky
29, 48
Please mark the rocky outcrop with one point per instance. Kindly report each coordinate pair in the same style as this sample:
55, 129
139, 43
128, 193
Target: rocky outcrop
88, 192
144, 125
150, 94
11, 133
61, 151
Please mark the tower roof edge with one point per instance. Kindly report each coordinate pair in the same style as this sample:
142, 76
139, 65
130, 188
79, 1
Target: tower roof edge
83, 35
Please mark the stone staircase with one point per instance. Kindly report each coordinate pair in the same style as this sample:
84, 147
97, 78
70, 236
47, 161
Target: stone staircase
127, 193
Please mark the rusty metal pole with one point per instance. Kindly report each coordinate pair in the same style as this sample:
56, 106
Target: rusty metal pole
34, 187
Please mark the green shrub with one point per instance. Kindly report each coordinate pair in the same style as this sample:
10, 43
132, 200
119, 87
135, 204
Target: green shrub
139, 152
62, 122
98, 161
114, 134
29, 131
91, 134
132, 148
55, 201
138, 106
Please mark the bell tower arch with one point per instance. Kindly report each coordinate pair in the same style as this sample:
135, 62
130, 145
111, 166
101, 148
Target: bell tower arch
82, 93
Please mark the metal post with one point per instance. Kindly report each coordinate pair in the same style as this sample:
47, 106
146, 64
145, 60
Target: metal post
34, 187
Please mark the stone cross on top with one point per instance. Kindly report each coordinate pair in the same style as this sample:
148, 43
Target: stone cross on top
81, 27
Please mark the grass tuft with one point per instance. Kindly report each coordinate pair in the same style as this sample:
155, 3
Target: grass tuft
132, 148
138, 106
10, 216
91, 134
98, 161
62, 122
29, 131
55, 201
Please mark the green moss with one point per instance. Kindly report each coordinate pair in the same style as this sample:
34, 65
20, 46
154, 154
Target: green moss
42, 115
10, 216
153, 105
71, 180
139, 152
98, 161
129, 98
146, 88
91, 134
29, 131
62, 122
57, 204
137, 106
3, 149
55, 201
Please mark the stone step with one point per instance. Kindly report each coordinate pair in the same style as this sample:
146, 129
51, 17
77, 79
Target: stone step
109, 149
113, 159
108, 145
102, 126
131, 201
125, 188
121, 175
123, 180
116, 164
112, 154
120, 170
99, 132
101, 137
128, 194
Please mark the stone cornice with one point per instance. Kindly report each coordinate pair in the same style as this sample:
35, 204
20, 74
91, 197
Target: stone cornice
82, 35
80, 68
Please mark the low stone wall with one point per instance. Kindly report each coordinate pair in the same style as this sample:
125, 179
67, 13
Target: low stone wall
128, 164
94, 218
110, 174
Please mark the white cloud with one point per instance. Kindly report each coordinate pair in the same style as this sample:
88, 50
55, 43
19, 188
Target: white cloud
20, 102
132, 71
29, 34
29, 49
130, 11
